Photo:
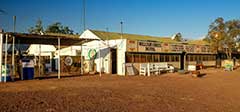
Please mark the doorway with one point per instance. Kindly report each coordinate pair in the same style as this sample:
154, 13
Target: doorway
182, 61
114, 61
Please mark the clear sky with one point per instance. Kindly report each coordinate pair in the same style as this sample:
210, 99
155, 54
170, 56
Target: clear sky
147, 17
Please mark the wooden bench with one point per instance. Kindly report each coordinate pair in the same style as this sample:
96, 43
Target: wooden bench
164, 67
143, 69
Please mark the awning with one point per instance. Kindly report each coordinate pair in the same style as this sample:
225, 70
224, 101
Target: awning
48, 39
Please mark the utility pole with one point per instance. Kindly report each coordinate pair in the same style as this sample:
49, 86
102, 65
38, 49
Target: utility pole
84, 15
107, 37
14, 23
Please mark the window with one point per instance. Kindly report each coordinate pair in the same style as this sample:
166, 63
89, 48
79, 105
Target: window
143, 58
129, 57
167, 59
156, 58
136, 58
177, 58
149, 58
161, 58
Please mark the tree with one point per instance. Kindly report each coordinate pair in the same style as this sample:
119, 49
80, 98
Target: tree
37, 29
58, 28
224, 35
53, 28
178, 37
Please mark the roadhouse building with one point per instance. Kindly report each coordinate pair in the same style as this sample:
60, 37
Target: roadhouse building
114, 52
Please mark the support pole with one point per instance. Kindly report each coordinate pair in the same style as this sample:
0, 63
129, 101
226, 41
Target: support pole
51, 57
59, 59
19, 49
148, 69
13, 48
39, 60
13, 58
100, 70
81, 60
5, 63
1, 45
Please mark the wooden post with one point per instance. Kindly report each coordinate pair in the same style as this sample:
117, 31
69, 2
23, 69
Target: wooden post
39, 60
179, 61
59, 59
13, 58
184, 61
1, 44
100, 70
81, 59
5, 76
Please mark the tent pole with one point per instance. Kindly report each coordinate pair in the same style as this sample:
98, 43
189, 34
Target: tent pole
59, 59
1, 43
13, 58
5, 76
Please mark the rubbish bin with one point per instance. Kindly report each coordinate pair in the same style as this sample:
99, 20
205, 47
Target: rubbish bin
27, 69
5, 71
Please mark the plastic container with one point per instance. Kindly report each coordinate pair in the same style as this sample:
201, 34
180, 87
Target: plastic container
27, 69
28, 73
5, 72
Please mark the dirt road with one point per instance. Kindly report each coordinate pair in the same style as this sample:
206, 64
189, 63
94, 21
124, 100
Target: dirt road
218, 91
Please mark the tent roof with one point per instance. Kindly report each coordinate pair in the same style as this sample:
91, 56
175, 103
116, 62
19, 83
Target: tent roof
49, 39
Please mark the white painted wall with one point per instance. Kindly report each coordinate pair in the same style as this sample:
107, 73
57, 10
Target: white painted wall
121, 50
46, 50
105, 54
104, 47
105, 57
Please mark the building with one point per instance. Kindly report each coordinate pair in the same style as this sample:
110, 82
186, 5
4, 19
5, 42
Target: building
113, 52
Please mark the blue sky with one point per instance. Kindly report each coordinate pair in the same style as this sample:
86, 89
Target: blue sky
147, 17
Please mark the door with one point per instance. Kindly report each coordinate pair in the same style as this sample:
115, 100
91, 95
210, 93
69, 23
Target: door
114, 61
182, 61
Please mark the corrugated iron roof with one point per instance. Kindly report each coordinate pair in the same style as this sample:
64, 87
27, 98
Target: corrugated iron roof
49, 39
198, 42
113, 35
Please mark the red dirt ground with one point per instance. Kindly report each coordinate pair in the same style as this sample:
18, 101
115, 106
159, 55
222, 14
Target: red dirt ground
217, 91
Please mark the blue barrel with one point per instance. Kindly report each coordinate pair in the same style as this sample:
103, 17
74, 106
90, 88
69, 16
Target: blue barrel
28, 73
27, 69
6, 71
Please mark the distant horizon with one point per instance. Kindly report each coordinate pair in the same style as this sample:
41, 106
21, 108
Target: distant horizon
161, 18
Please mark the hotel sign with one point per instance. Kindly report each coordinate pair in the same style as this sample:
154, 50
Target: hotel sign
177, 47
131, 45
145, 46
189, 48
